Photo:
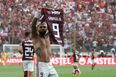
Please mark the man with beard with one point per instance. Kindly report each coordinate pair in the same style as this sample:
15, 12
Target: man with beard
41, 44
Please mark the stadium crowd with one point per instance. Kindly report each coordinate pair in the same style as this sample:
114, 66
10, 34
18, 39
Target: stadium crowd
92, 21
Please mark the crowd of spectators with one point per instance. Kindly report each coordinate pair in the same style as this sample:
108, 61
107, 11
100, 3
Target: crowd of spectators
92, 21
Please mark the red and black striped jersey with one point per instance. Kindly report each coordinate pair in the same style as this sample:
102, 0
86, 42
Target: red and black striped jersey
55, 21
76, 56
28, 50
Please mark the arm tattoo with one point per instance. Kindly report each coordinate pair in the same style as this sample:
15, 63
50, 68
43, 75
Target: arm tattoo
38, 51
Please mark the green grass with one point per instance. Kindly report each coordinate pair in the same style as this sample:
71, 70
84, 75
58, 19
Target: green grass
11, 71
63, 71
99, 71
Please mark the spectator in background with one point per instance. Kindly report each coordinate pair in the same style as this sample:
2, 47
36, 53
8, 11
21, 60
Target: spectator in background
94, 44
102, 53
14, 55
113, 52
4, 57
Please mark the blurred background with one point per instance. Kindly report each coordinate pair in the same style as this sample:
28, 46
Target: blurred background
88, 23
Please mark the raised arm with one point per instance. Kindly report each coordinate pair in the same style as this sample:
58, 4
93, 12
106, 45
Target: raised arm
34, 22
34, 32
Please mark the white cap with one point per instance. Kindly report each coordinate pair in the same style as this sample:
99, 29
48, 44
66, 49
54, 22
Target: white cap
101, 51
113, 49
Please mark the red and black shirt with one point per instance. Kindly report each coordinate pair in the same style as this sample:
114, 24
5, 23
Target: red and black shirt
28, 50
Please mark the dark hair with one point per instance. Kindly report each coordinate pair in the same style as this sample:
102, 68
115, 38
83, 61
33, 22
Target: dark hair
27, 34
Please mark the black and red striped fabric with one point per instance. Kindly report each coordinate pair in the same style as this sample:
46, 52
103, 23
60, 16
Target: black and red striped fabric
55, 21
28, 50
